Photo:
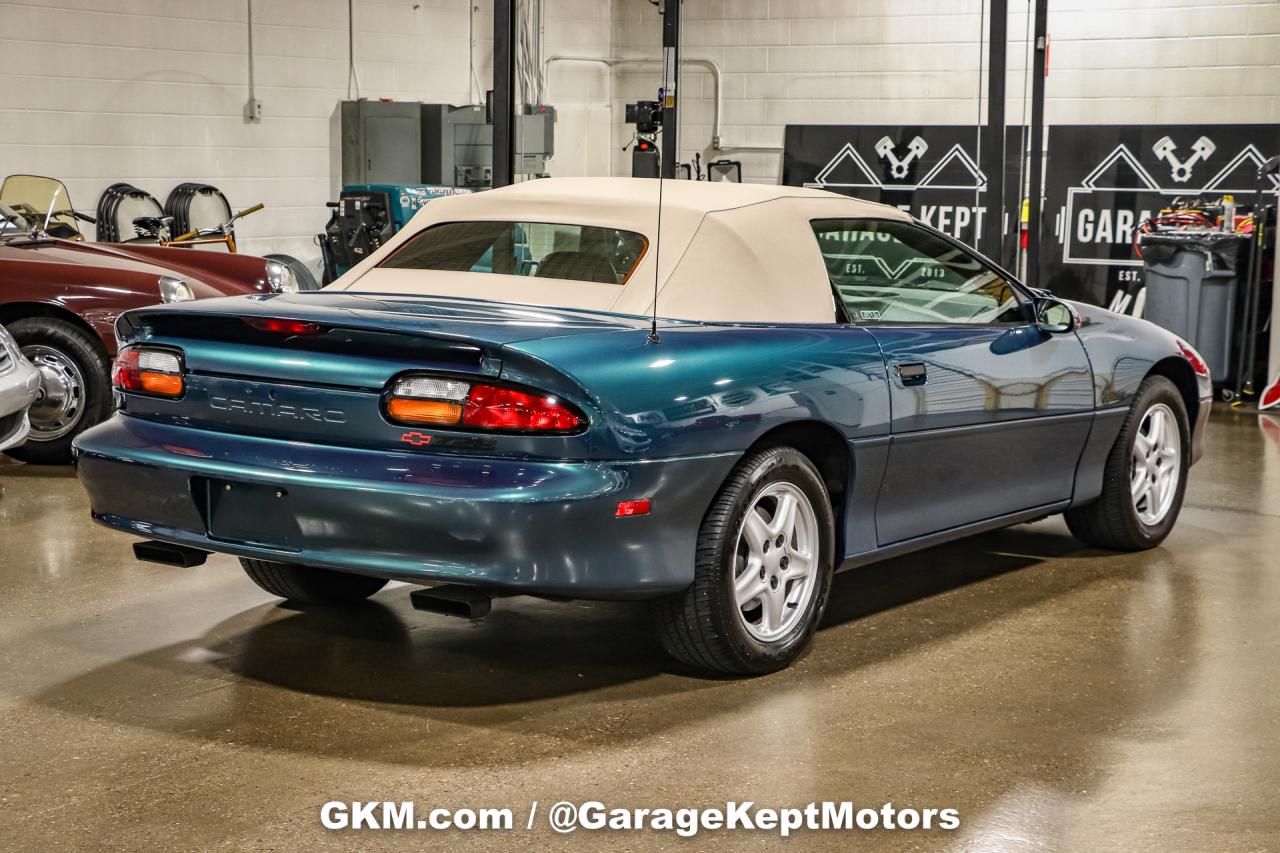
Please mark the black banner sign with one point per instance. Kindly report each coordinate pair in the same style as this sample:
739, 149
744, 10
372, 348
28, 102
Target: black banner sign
1103, 181
933, 172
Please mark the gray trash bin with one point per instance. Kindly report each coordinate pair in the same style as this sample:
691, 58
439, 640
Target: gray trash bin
1192, 279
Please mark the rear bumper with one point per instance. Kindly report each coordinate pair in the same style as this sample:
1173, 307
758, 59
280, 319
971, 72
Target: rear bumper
536, 527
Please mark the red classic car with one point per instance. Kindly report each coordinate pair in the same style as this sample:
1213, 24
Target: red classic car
60, 296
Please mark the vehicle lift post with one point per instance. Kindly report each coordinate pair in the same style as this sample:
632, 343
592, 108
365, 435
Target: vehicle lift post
671, 76
1039, 66
992, 153
1272, 169
504, 92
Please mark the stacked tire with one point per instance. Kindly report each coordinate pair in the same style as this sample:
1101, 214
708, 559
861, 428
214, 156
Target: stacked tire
118, 207
196, 206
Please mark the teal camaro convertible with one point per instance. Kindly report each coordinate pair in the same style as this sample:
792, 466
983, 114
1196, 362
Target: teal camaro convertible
536, 391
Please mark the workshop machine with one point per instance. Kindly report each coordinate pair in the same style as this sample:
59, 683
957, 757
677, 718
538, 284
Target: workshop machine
646, 155
398, 155
367, 215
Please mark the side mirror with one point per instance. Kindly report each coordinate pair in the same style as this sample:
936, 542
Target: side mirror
1056, 316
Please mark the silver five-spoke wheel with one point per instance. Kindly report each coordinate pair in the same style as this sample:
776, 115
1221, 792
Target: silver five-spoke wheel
775, 561
762, 568
1156, 464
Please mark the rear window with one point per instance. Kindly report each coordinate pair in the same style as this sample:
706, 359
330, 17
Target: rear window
535, 249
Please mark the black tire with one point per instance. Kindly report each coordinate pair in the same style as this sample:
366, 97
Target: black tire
306, 281
309, 584
702, 625
85, 352
1112, 521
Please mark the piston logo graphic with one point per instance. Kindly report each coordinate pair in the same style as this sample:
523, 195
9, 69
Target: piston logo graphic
1201, 149
954, 170
1099, 220
886, 150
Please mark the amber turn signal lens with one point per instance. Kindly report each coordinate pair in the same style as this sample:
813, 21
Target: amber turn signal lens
168, 384
410, 411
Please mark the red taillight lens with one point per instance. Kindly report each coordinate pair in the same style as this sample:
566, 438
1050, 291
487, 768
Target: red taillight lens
443, 401
144, 370
1198, 364
284, 327
491, 407
124, 373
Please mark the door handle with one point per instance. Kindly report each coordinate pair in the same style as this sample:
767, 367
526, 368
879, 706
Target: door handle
911, 373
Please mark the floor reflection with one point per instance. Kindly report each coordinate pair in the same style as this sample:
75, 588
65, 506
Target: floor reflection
1062, 698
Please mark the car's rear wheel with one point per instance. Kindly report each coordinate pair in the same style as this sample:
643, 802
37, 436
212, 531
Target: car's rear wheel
309, 584
1145, 476
762, 569
76, 386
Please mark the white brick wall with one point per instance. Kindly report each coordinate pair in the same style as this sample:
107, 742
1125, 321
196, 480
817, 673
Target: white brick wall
146, 91
917, 61
579, 91
152, 92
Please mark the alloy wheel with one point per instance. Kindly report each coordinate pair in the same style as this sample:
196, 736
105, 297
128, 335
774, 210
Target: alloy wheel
1156, 464
775, 561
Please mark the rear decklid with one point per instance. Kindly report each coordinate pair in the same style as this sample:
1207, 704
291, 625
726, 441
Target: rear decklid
314, 366
476, 320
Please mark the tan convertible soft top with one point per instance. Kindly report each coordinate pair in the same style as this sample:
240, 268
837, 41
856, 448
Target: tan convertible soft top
729, 252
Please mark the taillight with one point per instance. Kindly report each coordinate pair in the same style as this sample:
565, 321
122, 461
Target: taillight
1198, 364
147, 370
490, 407
447, 402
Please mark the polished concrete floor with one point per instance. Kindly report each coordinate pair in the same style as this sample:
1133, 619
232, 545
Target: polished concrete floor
1060, 698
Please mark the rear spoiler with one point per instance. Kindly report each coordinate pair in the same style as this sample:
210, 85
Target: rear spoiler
473, 321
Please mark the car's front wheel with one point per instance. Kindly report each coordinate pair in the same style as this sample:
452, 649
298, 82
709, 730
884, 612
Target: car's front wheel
1145, 476
762, 569
76, 386
309, 584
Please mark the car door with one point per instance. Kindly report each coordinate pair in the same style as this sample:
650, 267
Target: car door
988, 412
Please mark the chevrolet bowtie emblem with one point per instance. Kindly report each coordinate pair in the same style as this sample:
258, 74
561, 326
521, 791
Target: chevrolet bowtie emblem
417, 439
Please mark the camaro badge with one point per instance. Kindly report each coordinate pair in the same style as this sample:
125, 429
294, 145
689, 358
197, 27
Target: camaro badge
277, 410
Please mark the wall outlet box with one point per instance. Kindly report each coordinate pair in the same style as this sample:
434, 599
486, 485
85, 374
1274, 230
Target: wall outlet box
253, 110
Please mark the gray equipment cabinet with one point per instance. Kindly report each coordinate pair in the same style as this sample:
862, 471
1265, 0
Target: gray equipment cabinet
381, 142
535, 140
457, 146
